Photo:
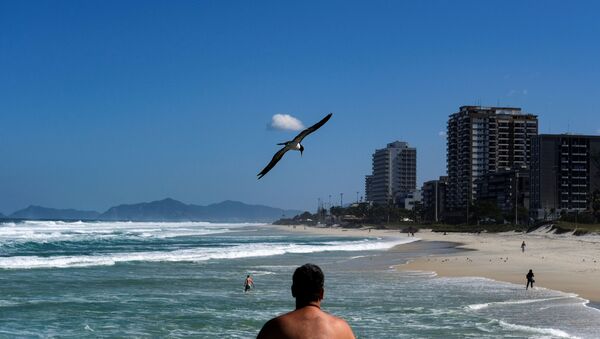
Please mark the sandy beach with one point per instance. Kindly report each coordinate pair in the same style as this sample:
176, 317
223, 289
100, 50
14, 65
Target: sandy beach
560, 262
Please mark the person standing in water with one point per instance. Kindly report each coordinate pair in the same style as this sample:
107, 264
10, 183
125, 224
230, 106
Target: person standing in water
523, 247
530, 280
248, 283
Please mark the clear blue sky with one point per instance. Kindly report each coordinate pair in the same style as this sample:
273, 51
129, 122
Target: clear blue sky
108, 102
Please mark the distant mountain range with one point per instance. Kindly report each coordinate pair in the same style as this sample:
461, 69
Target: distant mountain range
39, 212
162, 210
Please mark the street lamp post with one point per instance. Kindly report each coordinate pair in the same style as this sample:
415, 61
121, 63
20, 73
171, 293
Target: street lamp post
516, 197
468, 200
436, 201
319, 209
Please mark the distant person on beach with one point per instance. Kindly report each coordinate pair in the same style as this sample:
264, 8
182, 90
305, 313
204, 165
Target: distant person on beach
307, 320
530, 280
523, 247
248, 283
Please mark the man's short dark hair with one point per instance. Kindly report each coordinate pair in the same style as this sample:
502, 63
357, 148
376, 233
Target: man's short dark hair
307, 283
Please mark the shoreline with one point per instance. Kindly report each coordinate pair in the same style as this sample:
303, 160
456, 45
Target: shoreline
565, 263
352, 232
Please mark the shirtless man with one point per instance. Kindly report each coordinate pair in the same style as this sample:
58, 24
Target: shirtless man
307, 320
248, 283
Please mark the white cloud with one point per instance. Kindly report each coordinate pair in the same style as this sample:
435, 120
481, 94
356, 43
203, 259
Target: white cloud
442, 133
598, 131
285, 122
514, 92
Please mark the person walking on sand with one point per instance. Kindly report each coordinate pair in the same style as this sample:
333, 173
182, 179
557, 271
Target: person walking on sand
530, 280
248, 283
307, 320
523, 247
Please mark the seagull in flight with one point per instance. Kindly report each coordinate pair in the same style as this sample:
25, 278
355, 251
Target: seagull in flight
293, 145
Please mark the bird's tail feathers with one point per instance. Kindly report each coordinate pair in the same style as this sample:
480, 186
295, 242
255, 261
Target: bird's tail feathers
284, 143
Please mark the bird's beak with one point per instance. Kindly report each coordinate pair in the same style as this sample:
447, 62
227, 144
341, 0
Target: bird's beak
301, 153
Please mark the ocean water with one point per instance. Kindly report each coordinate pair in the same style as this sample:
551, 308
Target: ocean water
141, 280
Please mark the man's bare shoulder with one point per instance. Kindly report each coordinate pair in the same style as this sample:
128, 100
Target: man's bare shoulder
342, 328
290, 325
275, 328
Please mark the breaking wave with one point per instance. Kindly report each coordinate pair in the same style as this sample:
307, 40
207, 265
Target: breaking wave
103, 244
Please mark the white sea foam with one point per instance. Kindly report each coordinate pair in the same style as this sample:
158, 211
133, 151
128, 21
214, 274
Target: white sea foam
358, 256
262, 273
194, 254
536, 330
56, 231
427, 274
476, 307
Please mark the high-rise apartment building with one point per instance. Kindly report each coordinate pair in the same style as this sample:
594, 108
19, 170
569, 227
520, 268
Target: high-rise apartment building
507, 189
482, 140
565, 171
394, 173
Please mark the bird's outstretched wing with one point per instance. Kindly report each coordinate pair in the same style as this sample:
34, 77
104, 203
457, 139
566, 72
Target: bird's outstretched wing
312, 128
273, 162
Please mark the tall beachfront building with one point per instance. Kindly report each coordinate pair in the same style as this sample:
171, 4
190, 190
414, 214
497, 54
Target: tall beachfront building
394, 173
565, 172
483, 140
434, 199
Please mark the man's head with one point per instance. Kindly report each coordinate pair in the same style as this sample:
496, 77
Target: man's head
307, 283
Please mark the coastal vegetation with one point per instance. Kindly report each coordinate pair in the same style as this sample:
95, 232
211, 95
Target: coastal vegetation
484, 216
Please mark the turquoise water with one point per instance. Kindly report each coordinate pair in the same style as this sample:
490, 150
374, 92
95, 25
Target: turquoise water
185, 279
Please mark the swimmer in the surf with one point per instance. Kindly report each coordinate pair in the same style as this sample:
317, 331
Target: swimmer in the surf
248, 283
